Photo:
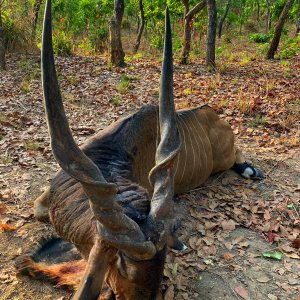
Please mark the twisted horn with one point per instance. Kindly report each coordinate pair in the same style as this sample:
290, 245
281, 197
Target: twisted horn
113, 225
162, 175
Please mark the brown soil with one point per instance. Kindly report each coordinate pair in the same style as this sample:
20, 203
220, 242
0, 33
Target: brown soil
227, 224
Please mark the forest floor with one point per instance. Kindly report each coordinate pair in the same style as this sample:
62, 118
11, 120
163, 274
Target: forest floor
228, 223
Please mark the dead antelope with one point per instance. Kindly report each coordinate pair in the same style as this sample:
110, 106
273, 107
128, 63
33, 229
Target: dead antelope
102, 200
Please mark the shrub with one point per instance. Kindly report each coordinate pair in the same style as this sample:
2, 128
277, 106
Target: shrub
62, 44
16, 35
259, 38
157, 41
290, 48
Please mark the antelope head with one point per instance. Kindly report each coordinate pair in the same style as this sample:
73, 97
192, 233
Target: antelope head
128, 256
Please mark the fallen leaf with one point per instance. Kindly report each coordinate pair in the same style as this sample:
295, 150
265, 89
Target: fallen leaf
7, 227
292, 255
296, 243
263, 279
210, 225
169, 295
272, 297
272, 237
242, 292
287, 248
194, 242
210, 250
228, 225
228, 256
273, 255
3, 208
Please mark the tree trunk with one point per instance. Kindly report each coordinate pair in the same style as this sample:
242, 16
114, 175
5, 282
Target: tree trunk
269, 16
298, 19
141, 28
258, 12
36, 9
223, 18
116, 51
211, 34
188, 17
186, 34
278, 29
2, 46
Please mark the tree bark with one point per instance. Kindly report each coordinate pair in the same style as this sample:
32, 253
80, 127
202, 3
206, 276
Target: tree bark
141, 28
2, 46
116, 51
269, 16
211, 34
36, 9
298, 19
223, 19
258, 12
278, 29
188, 17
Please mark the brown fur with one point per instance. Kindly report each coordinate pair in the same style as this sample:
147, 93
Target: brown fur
64, 274
207, 147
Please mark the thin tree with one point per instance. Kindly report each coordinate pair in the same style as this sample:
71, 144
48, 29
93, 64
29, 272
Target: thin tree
211, 34
188, 17
2, 43
269, 15
141, 28
298, 18
36, 9
115, 42
223, 18
278, 29
258, 11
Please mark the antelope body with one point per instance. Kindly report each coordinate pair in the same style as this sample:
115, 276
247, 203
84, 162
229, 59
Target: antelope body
105, 203
125, 153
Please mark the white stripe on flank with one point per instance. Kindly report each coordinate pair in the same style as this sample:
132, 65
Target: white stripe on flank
194, 131
213, 132
201, 138
191, 144
184, 143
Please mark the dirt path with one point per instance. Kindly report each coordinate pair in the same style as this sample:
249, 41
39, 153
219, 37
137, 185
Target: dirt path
227, 224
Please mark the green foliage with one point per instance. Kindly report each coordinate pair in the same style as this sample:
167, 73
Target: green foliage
15, 33
157, 42
62, 44
116, 101
258, 120
273, 254
263, 49
123, 84
259, 37
290, 48
176, 42
83, 25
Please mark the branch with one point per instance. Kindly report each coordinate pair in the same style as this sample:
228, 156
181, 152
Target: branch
195, 9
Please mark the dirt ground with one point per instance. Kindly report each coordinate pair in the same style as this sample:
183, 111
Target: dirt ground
228, 223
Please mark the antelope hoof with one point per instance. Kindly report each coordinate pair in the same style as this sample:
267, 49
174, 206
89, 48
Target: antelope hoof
40, 211
248, 171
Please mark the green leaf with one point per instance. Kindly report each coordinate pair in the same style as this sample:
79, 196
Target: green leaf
290, 206
174, 269
273, 255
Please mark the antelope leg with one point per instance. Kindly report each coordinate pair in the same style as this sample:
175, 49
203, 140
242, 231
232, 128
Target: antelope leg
94, 275
40, 206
